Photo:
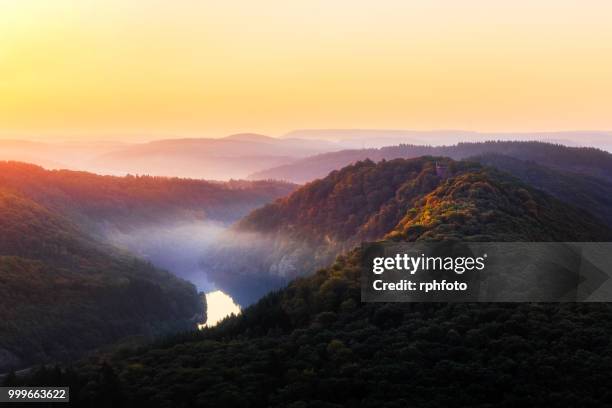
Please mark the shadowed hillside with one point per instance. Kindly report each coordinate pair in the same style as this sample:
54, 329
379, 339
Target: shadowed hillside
366, 200
433, 198
589, 161
63, 293
589, 193
65, 288
133, 200
315, 344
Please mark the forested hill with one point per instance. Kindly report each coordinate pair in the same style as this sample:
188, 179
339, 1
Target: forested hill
367, 200
64, 290
583, 160
591, 194
63, 293
315, 344
135, 200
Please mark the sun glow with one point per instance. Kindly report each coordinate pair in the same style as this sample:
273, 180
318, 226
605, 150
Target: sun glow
211, 68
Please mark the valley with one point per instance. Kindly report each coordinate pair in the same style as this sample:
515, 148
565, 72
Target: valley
155, 265
312, 334
306, 204
90, 254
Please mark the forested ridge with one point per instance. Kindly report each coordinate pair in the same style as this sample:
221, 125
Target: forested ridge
137, 200
428, 197
582, 160
366, 200
314, 344
63, 293
488, 205
589, 193
64, 289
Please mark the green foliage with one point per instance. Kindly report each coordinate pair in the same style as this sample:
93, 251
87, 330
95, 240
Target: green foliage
89, 199
305, 346
360, 202
423, 198
314, 344
63, 293
367, 200
486, 205
591, 194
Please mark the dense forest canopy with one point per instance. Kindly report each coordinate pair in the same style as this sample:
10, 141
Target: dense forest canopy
367, 201
136, 200
582, 160
63, 293
314, 344
589, 193
64, 289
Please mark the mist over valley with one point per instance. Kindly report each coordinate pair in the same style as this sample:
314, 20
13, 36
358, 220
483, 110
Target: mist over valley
258, 156
154, 245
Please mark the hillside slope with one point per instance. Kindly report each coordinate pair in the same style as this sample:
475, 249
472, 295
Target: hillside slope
64, 287
63, 293
366, 200
431, 198
132, 201
366, 138
315, 344
589, 161
167, 221
230, 157
589, 193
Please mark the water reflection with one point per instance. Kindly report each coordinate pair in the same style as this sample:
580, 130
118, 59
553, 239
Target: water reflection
219, 305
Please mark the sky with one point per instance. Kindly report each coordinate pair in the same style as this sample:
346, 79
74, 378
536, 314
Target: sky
133, 69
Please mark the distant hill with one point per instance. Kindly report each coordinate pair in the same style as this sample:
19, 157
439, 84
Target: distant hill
589, 161
366, 138
135, 200
251, 137
375, 138
314, 343
58, 155
243, 154
234, 156
403, 197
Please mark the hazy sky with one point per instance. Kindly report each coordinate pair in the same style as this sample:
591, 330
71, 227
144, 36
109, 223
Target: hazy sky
210, 68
